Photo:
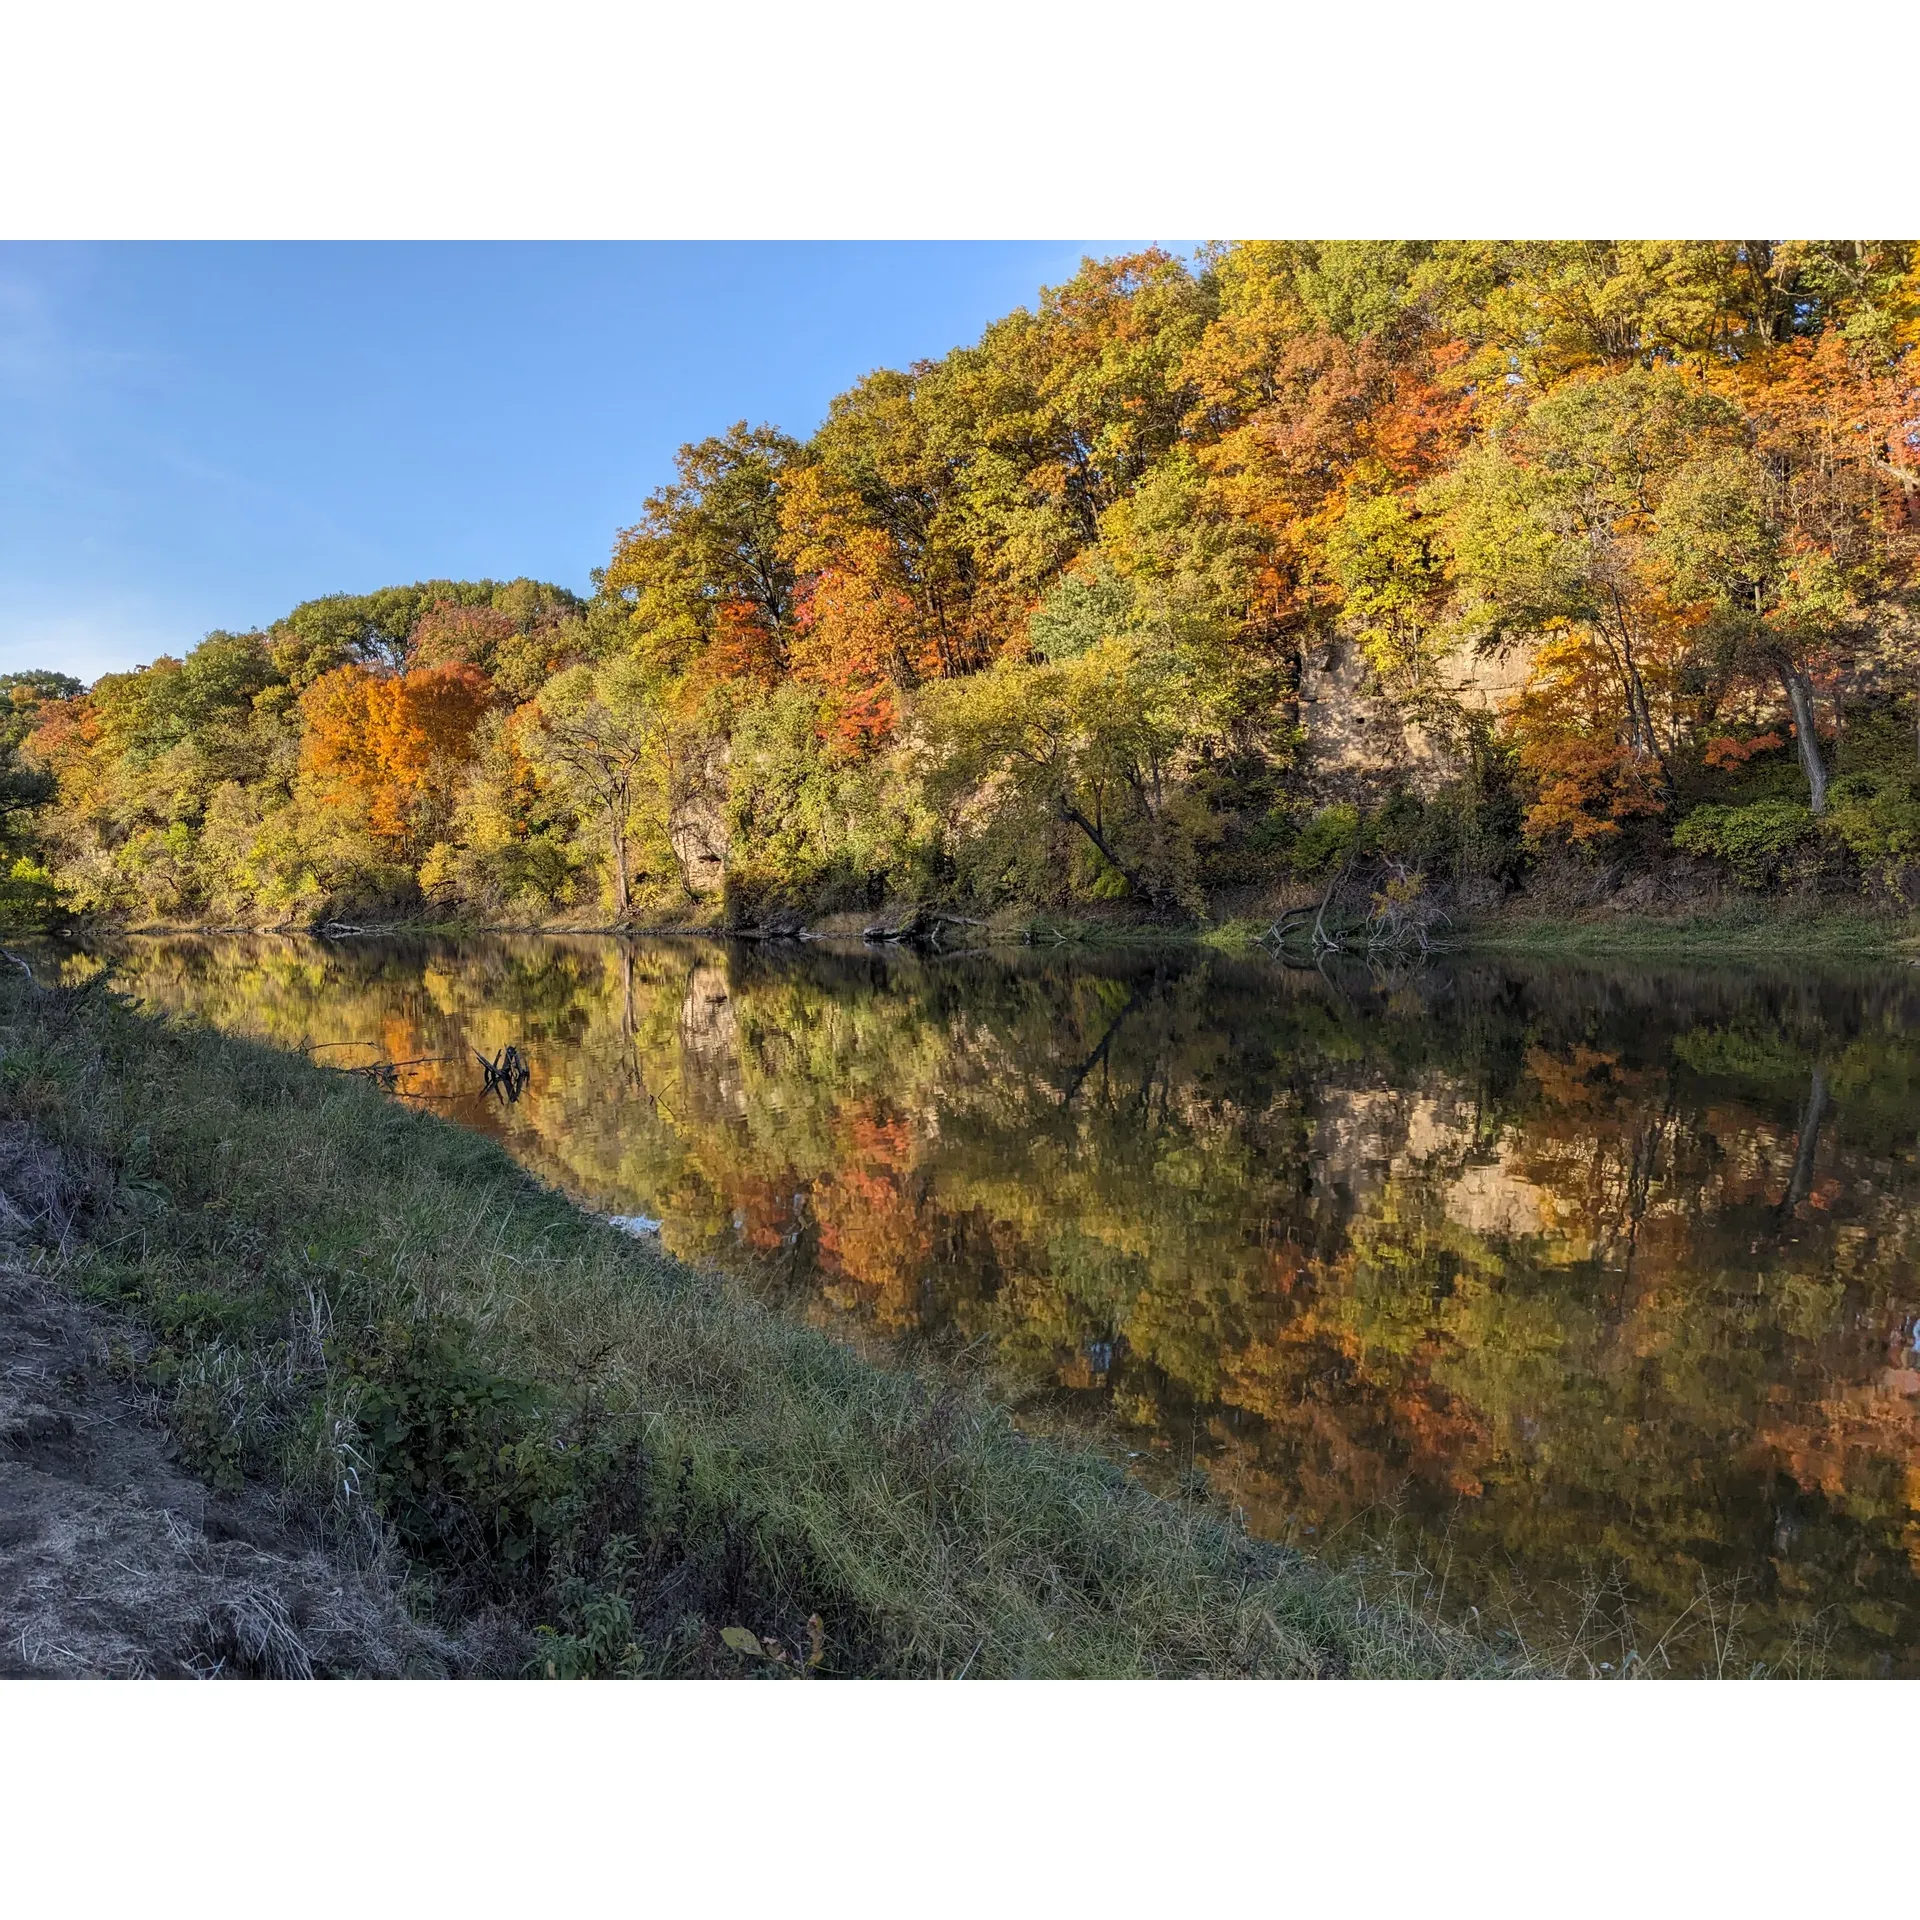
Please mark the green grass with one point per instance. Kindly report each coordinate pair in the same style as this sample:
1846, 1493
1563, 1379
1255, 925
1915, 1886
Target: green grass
621, 1463
1775, 932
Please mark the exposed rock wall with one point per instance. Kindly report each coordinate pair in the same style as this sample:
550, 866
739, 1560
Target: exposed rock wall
1361, 742
697, 817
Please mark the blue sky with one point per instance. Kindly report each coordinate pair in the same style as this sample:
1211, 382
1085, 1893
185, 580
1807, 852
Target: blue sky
202, 436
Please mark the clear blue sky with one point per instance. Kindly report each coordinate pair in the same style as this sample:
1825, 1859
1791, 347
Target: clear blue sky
203, 436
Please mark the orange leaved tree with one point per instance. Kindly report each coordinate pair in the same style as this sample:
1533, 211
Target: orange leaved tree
394, 743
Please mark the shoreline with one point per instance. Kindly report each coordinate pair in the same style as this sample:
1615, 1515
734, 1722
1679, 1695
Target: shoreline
580, 1456
1778, 934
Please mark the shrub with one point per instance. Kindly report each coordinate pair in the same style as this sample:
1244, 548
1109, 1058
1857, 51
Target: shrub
459, 1448
27, 895
1327, 839
1876, 816
811, 825
1755, 841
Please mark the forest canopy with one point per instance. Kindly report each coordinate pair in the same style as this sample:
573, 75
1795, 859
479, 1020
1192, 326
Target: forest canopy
1194, 579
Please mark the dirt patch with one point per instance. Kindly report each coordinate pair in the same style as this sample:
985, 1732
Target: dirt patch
115, 1561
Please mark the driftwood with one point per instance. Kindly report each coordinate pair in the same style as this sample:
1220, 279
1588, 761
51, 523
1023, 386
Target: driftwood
384, 1073
1034, 933
507, 1072
1319, 939
1402, 917
921, 928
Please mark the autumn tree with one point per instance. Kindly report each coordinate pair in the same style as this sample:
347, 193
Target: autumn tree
593, 732
26, 886
394, 743
1553, 533
1090, 744
1801, 536
705, 570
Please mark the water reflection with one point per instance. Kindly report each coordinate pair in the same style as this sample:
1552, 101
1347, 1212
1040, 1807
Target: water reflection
1572, 1272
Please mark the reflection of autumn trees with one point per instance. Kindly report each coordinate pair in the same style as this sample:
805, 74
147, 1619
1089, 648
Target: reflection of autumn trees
1572, 1268
873, 1230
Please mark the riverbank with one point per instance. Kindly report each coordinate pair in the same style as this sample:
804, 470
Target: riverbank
1779, 935
1747, 932
1779, 932
570, 1453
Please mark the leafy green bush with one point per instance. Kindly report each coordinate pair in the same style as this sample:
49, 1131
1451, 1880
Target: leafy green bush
1074, 766
27, 895
1876, 816
1474, 829
1327, 839
455, 1446
1755, 841
1273, 833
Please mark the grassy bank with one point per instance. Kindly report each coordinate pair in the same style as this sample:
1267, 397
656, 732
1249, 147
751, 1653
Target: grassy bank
1780, 934
1773, 931
613, 1463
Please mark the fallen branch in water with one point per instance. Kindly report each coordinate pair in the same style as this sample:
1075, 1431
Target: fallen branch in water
384, 1073
1402, 917
1295, 918
1322, 942
507, 1072
1403, 914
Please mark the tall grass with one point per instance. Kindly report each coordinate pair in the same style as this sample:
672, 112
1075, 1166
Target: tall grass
621, 1463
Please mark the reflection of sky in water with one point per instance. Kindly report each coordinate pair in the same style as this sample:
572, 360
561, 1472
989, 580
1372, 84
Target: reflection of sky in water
1548, 1276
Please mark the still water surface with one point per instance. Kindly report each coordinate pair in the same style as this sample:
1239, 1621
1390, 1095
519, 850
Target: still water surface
1591, 1292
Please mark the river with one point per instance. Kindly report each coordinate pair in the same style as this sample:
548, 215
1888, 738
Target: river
1583, 1298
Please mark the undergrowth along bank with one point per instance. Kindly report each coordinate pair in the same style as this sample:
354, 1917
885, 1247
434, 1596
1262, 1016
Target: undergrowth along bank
1778, 934
617, 1464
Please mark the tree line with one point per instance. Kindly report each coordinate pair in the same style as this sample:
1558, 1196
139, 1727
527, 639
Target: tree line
1030, 623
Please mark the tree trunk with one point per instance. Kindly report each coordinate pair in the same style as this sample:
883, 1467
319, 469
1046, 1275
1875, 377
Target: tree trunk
1068, 811
617, 828
1640, 711
1800, 702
